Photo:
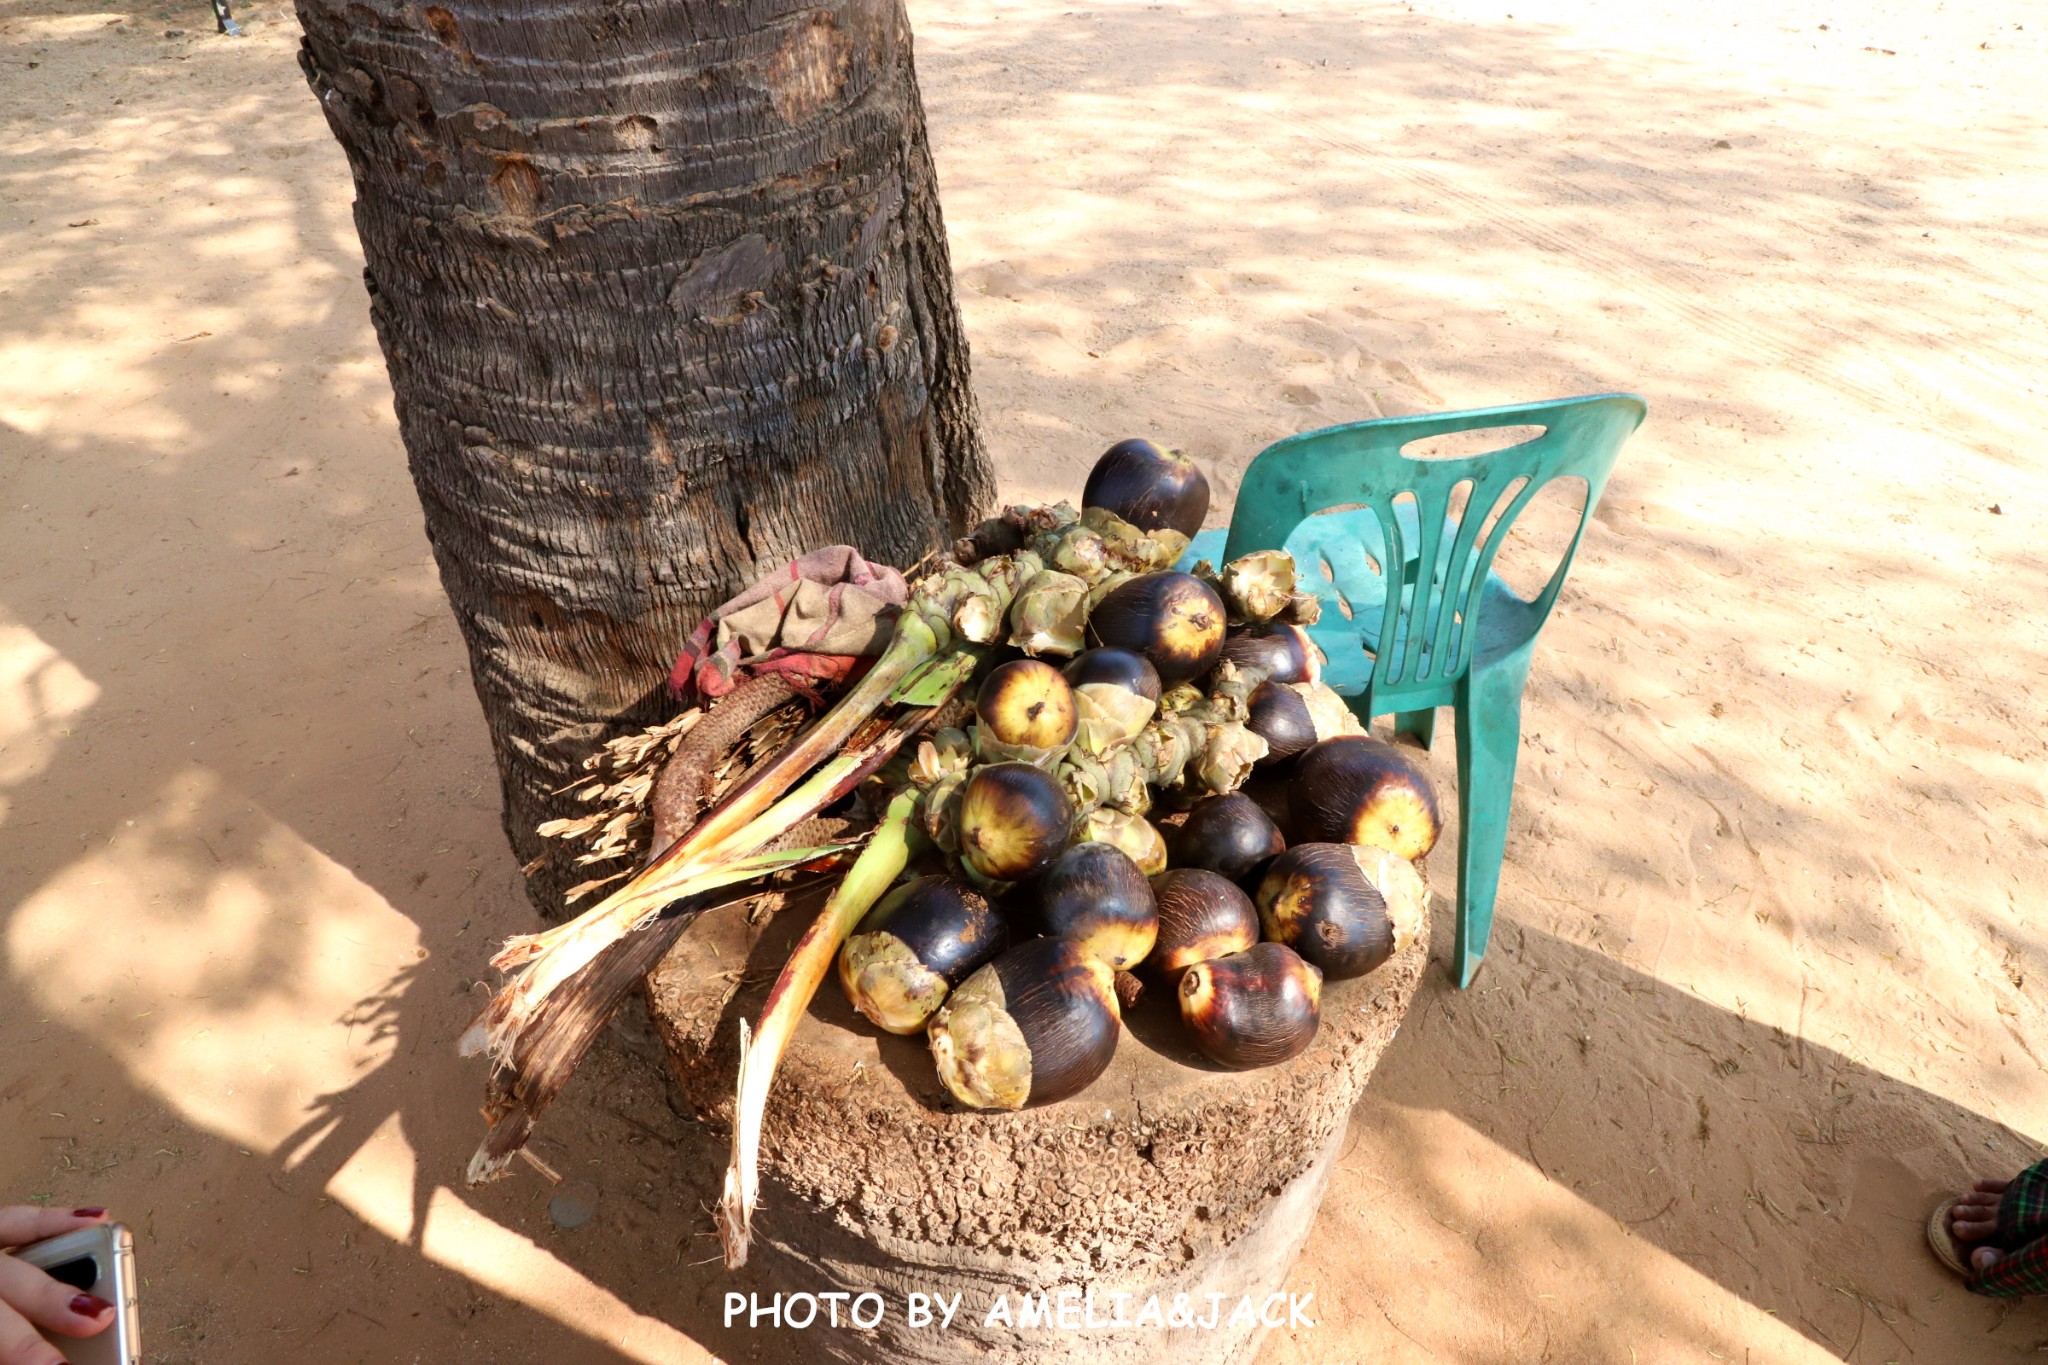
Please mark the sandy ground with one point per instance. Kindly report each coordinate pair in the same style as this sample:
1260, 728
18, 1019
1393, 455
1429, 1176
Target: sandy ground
1764, 983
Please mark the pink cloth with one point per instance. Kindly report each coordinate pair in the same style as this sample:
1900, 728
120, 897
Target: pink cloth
816, 619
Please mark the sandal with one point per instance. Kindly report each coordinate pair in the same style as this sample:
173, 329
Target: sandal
1941, 1237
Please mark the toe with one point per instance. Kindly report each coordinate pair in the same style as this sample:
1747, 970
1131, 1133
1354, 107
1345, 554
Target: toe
1973, 1222
1983, 1258
1992, 1186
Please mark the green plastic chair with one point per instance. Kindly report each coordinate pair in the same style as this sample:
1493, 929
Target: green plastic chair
1455, 635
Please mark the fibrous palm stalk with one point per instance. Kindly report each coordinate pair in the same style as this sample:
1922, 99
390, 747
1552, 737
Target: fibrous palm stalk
726, 848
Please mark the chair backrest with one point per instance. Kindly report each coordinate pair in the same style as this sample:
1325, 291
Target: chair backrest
1428, 627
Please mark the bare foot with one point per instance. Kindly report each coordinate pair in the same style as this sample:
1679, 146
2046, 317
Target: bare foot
1975, 1219
1975, 1216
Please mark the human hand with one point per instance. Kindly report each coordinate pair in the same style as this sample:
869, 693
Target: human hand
30, 1299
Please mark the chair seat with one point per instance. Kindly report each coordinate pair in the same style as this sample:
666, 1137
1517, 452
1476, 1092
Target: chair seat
1349, 544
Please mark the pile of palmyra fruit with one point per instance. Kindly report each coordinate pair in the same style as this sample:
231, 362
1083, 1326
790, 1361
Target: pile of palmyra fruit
1078, 833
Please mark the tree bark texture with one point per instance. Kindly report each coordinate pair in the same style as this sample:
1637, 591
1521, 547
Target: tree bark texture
665, 298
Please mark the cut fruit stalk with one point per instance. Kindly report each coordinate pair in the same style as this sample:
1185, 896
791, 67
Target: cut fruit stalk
547, 1053
913, 645
576, 944
879, 864
742, 811
537, 1060
523, 1027
751, 817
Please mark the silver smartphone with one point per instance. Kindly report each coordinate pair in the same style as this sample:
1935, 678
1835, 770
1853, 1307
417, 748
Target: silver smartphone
99, 1261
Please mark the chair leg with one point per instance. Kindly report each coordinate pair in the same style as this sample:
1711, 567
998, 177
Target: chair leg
1420, 724
1489, 731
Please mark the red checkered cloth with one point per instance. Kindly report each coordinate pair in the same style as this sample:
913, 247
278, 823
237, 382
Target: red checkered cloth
816, 619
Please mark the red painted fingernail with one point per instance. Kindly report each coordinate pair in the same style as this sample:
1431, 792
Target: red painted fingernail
86, 1306
88, 1213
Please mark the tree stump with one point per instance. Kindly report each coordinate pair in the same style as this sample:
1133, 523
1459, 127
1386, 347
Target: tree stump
1168, 1176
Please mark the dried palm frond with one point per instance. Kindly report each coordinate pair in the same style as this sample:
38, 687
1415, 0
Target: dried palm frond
623, 776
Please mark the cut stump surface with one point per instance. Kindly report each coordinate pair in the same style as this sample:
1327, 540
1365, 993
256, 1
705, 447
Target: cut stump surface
1167, 1176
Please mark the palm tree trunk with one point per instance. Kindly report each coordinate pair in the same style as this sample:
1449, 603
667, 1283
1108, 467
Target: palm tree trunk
665, 298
